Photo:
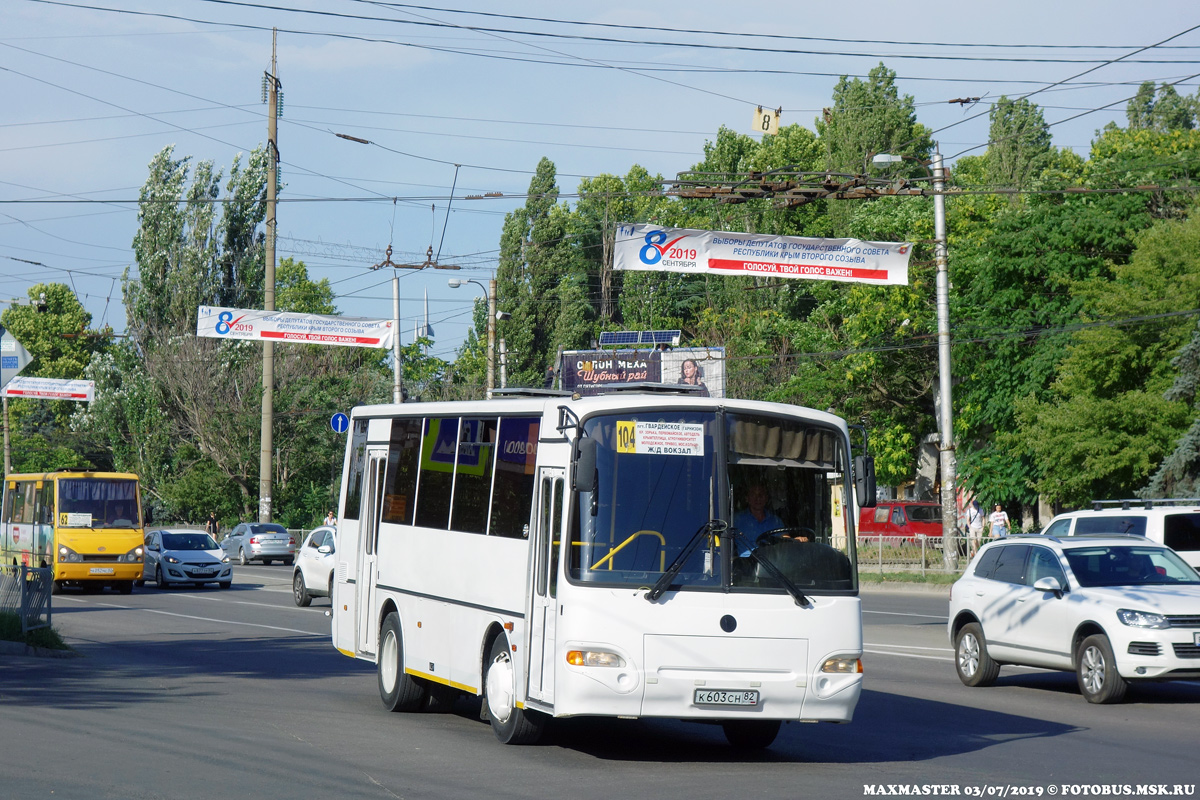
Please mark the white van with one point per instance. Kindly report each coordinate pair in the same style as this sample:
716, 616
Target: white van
1175, 523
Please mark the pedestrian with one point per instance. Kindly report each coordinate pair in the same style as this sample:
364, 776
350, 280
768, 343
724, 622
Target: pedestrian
974, 528
211, 525
330, 519
1000, 523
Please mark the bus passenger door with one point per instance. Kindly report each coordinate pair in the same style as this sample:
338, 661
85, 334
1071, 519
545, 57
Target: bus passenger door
544, 605
368, 571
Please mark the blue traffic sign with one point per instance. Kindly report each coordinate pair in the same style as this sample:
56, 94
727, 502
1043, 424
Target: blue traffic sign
339, 422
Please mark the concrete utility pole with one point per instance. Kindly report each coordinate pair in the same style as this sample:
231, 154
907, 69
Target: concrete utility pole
266, 440
397, 377
945, 415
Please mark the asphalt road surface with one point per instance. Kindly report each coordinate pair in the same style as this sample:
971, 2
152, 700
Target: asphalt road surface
238, 693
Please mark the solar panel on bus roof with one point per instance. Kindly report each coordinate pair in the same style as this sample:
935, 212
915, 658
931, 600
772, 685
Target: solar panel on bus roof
608, 338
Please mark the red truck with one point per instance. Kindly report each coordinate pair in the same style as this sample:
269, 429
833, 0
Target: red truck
902, 519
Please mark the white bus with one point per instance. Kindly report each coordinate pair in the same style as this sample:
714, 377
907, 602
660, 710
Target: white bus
569, 556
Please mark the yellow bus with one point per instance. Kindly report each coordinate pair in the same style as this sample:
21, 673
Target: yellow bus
87, 525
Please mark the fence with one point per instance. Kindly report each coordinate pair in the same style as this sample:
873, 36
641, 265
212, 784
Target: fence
25, 592
910, 554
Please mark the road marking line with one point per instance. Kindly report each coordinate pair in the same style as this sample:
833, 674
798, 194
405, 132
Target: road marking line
907, 655
902, 614
210, 619
910, 647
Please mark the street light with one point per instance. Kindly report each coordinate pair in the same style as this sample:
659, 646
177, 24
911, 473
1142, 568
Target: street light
945, 417
397, 388
493, 315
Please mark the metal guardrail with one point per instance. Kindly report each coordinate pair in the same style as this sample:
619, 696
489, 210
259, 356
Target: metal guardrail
912, 553
26, 591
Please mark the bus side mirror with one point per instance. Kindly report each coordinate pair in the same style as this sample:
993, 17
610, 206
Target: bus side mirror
583, 478
864, 480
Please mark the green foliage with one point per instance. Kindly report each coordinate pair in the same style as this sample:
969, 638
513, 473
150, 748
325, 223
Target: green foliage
1166, 112
10, 631
1020, 143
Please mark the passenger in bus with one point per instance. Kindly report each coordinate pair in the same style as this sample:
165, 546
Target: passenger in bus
756, 519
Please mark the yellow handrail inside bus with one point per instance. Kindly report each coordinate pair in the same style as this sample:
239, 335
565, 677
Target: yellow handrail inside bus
662, 553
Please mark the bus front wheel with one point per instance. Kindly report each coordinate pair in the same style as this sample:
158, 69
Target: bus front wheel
511, 725
398, 690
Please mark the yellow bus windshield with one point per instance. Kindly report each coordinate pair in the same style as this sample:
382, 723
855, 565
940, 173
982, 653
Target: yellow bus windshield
92, 502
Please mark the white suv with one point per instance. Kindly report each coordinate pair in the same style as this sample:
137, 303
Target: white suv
1164, 521
1113, 609
313, 575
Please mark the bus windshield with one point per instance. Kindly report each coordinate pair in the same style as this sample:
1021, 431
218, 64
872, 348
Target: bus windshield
662, 476
98, 503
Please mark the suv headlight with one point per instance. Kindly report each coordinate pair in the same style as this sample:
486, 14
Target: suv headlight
1142, 619
171, 560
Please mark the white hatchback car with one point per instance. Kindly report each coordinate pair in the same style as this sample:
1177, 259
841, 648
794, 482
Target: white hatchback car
1113, 609
313, 575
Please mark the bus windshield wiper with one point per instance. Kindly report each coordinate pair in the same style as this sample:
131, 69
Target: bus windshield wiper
712, 526
775, 572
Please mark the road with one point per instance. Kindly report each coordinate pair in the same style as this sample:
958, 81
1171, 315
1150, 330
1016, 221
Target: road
238, 693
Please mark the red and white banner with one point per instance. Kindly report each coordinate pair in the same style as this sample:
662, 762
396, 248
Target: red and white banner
653, 247
51, 389
288, 326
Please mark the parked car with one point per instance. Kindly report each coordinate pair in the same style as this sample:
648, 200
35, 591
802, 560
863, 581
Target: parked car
1113, 609
1164, 521
902, 519
313, 574
177, 556
260, 541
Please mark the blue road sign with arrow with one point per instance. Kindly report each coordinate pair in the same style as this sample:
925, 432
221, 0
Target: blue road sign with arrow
339, 422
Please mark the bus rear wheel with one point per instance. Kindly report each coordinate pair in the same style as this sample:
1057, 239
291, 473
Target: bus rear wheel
751, 734
511, 725
398, 690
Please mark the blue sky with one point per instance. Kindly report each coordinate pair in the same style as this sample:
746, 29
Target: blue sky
92, 93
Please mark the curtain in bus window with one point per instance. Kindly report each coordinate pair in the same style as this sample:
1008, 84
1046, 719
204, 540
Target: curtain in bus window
512, 494
91, 502
438, 447
358, 465
473, 475
404, 458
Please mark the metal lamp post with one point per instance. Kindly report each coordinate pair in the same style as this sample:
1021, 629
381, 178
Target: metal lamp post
945, 416
490, 289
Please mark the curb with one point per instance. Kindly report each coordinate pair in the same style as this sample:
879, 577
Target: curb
866, 587
29, 651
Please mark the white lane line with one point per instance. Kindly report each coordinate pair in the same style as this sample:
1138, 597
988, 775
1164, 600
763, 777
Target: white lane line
903, 614
210, 619
907, 655
910, 647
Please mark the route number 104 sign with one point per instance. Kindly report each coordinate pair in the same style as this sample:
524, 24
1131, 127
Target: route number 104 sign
660, 438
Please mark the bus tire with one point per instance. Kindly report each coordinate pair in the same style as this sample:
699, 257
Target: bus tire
398, 690
511, 725
56, 587
751, 734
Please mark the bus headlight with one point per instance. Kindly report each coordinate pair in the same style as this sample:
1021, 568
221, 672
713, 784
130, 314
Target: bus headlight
842, 665
594, 658
68, 555
133, 555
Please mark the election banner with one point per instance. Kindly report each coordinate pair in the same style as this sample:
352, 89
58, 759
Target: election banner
653, 247
287, 326
51, 389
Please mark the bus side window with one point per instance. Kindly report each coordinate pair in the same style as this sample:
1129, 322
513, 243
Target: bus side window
46, 504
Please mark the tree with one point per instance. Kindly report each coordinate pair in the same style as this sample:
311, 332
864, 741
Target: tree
1019, 143
1179, 473
541, 279
1162, 114
869, 117
55, 329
